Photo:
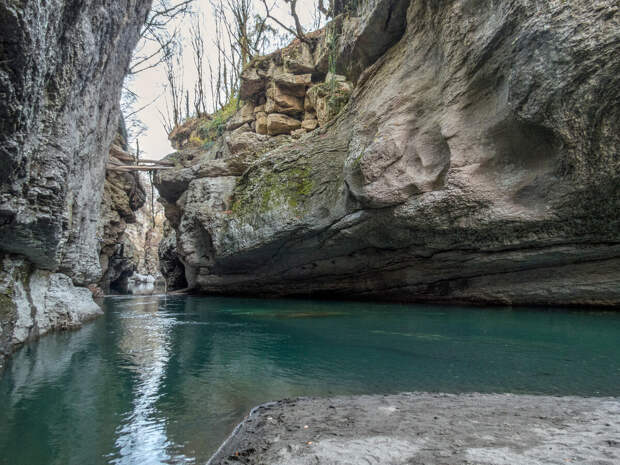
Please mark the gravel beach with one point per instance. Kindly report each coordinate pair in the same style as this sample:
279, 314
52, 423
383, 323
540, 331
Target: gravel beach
428, 429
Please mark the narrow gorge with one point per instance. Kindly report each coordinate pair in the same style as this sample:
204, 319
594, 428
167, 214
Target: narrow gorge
408, 151
390, 235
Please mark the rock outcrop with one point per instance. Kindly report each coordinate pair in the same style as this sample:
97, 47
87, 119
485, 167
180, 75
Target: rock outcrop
61, 69
284, 93
34, 302
146, 234
170, 264
475, 161
123, 196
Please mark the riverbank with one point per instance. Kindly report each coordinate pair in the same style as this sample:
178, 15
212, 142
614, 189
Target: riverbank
447, 429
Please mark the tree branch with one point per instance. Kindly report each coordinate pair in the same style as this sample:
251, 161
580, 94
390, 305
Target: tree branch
299, 32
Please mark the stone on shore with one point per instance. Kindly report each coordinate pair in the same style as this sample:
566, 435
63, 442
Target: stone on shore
429, 429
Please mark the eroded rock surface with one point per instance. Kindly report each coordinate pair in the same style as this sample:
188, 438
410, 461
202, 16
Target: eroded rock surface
476, 161
169, 263
484, 429
123, 196
34, 302
61, 69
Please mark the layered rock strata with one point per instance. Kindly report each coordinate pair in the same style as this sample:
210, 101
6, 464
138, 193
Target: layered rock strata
289, 92
61, 69
475, 161
170, 264
123, 196
147, 231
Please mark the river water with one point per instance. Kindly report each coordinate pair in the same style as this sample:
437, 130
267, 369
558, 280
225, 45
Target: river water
164, 380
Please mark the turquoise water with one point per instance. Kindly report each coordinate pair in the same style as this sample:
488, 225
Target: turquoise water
161, 380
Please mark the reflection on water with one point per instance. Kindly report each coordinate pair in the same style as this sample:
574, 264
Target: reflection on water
144, 342
143, 288
164, 380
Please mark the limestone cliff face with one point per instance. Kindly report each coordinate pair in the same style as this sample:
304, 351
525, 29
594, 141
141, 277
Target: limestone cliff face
170, 264
61, 68
475, 161
147, 231
123, 196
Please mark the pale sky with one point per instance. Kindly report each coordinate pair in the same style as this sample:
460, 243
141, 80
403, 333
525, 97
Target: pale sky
150, 84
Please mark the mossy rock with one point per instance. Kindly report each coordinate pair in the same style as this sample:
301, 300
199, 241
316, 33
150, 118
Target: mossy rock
7, 306
329, 99
273, 190
215, 126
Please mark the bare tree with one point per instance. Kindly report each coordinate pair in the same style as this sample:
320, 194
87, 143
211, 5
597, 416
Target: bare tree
298, 31
211, 87
166, 118
240, 34
335, 7
134, 126
187, 112
248, 31
326, 11
220, 53
173, 66
157, 47
157, 34
197, 41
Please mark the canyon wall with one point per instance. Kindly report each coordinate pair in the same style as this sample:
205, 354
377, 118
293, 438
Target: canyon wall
123, 197
476, 160
62, 64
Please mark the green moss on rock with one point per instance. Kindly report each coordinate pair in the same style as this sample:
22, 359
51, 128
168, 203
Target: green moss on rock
7, 306
273, 190
215, 126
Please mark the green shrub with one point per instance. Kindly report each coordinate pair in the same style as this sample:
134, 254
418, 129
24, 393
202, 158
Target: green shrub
214, 128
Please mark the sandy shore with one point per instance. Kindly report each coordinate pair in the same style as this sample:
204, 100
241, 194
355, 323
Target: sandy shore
429, 429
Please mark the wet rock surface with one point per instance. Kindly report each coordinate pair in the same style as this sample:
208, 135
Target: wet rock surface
34, 302
431, 429
475, 161
61, 69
